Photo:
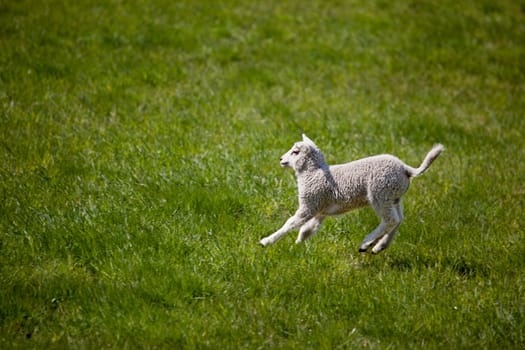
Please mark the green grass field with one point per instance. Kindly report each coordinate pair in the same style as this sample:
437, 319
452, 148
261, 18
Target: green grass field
139, 167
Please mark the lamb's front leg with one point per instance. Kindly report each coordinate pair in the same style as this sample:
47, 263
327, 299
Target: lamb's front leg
296, 221
310, 228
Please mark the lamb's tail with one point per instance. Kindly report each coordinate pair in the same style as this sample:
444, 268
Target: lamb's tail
430, 157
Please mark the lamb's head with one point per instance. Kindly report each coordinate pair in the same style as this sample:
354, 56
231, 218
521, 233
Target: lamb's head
303, 156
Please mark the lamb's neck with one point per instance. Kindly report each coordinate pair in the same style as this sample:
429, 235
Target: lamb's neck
310, 175
313, 169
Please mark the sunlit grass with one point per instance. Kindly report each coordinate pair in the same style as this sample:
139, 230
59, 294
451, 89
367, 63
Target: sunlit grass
139, 147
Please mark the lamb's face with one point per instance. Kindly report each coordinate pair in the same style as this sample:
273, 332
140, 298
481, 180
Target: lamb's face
293, 157
304, 155
300, 157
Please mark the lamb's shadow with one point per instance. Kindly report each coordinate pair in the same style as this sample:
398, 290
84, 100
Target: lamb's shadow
461, 266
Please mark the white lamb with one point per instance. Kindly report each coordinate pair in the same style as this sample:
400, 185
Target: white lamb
379, 181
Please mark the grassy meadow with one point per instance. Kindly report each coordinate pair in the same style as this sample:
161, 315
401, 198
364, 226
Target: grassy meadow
139, 167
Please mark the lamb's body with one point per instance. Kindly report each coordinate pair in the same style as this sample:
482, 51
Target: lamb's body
379, 181
352, 185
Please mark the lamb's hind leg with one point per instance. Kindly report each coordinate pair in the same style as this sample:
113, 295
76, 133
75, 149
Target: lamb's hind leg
387, 239
389, 222
310, 228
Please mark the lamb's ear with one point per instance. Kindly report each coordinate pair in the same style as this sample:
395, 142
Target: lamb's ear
308, 141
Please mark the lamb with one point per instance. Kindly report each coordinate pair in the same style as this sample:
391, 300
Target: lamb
379, 181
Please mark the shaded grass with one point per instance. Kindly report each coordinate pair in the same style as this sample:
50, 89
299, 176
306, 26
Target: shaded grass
139, 147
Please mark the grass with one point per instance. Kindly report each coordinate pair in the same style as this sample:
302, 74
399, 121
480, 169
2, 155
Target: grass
139, 147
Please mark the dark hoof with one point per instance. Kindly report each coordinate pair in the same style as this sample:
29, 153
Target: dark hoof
361, 250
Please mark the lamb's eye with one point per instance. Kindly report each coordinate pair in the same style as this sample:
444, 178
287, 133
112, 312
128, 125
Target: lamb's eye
295, 152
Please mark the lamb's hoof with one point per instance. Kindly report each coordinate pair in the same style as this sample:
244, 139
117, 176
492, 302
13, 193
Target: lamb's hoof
362, 250
263, 242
